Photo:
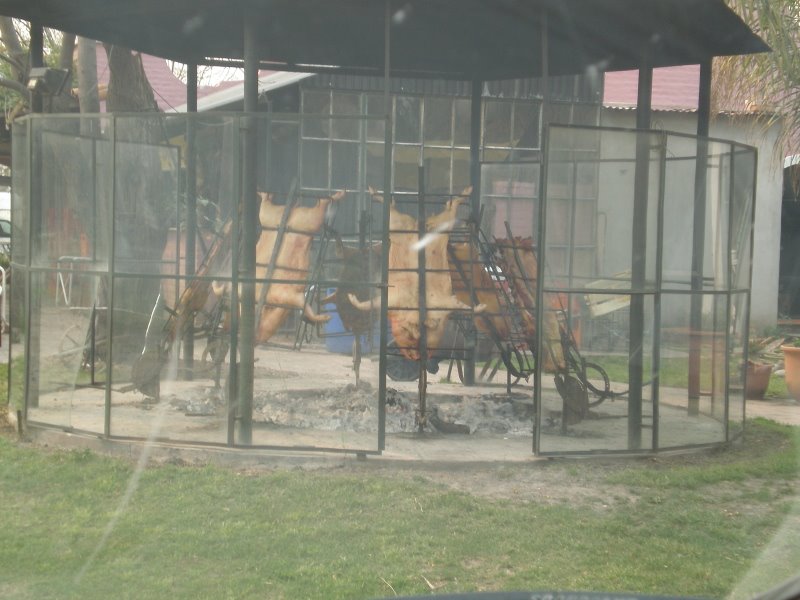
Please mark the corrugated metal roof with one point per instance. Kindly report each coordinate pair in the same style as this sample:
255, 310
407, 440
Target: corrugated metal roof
674, 88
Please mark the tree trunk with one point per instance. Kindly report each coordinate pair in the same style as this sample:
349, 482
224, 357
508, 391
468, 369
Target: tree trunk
128, 88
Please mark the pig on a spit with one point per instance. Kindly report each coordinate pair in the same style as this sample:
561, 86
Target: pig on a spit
440, 301
291, 262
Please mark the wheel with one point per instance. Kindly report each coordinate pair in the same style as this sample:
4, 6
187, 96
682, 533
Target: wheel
601, 394
72, 345
75, 348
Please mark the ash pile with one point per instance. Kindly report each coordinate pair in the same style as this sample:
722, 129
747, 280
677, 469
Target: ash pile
354, 409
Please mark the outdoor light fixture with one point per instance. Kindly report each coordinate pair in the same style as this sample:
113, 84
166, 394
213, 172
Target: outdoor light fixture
47, 81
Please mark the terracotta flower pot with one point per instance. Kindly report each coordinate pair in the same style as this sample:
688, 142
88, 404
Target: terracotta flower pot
791, 361
758, 375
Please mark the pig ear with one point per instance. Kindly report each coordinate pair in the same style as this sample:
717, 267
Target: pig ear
467, 191
265, 197
338, 195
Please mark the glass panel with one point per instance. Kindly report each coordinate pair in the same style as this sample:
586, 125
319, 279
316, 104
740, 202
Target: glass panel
496, 123
407, 119
375, 166
508, 195
461, 170
406, 168
376, 128
346, 104
314, 165
437, 170
526, 125
345, 171
438, 121
282, 168
463, 120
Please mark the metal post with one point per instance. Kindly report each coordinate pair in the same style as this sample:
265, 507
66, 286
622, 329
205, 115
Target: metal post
698, 238
540, 235
639, 255
387, 194
111, 279
423, 306
37, 60
655, 366
476, 108
191, 205
249, 208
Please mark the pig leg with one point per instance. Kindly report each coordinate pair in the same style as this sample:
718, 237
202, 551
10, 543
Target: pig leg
297, 299
453, 303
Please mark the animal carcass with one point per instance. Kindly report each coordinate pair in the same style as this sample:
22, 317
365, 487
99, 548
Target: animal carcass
404, 296
291, 261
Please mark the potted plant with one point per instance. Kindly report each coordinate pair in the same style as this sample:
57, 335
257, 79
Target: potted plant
758, 372
791, 365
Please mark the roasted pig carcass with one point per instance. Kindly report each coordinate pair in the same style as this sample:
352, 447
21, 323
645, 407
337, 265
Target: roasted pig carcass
291, 261
440, 301
519, 265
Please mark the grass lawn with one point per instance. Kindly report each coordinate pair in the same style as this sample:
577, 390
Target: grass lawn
689, 524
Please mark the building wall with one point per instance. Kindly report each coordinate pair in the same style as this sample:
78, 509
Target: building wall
766, 256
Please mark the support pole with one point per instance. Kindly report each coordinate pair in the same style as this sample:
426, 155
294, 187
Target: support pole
249, 234
698, 238
639, 255
387, 194
538, 227
37, 60
33, 285
191, 205
422, 418
476, 108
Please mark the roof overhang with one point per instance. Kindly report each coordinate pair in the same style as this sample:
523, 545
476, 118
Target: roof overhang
453, 39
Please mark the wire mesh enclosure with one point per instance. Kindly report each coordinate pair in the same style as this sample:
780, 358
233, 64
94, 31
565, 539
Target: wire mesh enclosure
646, 244
593, 293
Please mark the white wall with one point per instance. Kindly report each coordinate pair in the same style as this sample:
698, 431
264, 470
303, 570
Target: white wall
766, 256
